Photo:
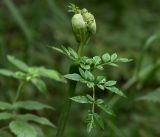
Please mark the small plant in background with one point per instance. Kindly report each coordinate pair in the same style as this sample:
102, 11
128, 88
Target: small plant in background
83, 71
20, 124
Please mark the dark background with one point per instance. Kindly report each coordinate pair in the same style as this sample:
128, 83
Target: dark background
27, 27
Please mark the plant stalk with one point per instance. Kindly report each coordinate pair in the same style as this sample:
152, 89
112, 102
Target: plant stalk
19, 91
66, 109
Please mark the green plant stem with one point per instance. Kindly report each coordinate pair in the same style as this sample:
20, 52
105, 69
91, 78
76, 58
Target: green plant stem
19, 90
93, 101
81, 46
80, 49
66, 109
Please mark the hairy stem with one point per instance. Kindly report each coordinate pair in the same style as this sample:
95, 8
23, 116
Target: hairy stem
66, 109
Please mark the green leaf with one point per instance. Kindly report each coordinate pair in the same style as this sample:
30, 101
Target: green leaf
113, 57
82, 72
31, 105
100, 67
105, 108
74, 76
84, 66
50, 73
40, 85
57, 49
99, 120
73, 53
37, 119
97, 60
18, 63
89, 76
90, 121
90, 98
6, 72
22, 129
116, 90
101, 79
20, 75
66, 51
106, 57
100, 86
5, 106
99, 101
152, 96
6, 115
125, 60
110, 83
90, 126
81, 99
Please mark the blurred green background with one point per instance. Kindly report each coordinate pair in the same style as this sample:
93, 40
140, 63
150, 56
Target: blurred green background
128, 27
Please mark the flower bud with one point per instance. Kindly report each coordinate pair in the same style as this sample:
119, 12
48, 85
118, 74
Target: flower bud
84, 25
79, 27
90, 21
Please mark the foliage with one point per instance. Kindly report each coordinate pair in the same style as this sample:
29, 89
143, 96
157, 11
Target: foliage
129, 28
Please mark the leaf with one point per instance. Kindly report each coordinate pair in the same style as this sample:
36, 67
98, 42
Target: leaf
18, 63
101, 79
90, 98
125, 60
22, 129
99, 120
74, 76
97, 60
81, 99
116, 90
110, 83
86, 67
73, 53
82, 72
90, 121
113, 57
37, 119
152, 96
100, 67
112, 64
5, 106
57, 49
90, 126
6, 72
31, 105
105, 108
20, 75
50, 73
40, 85
89, 76
5, 115
106, 57
100, 86
99, 101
